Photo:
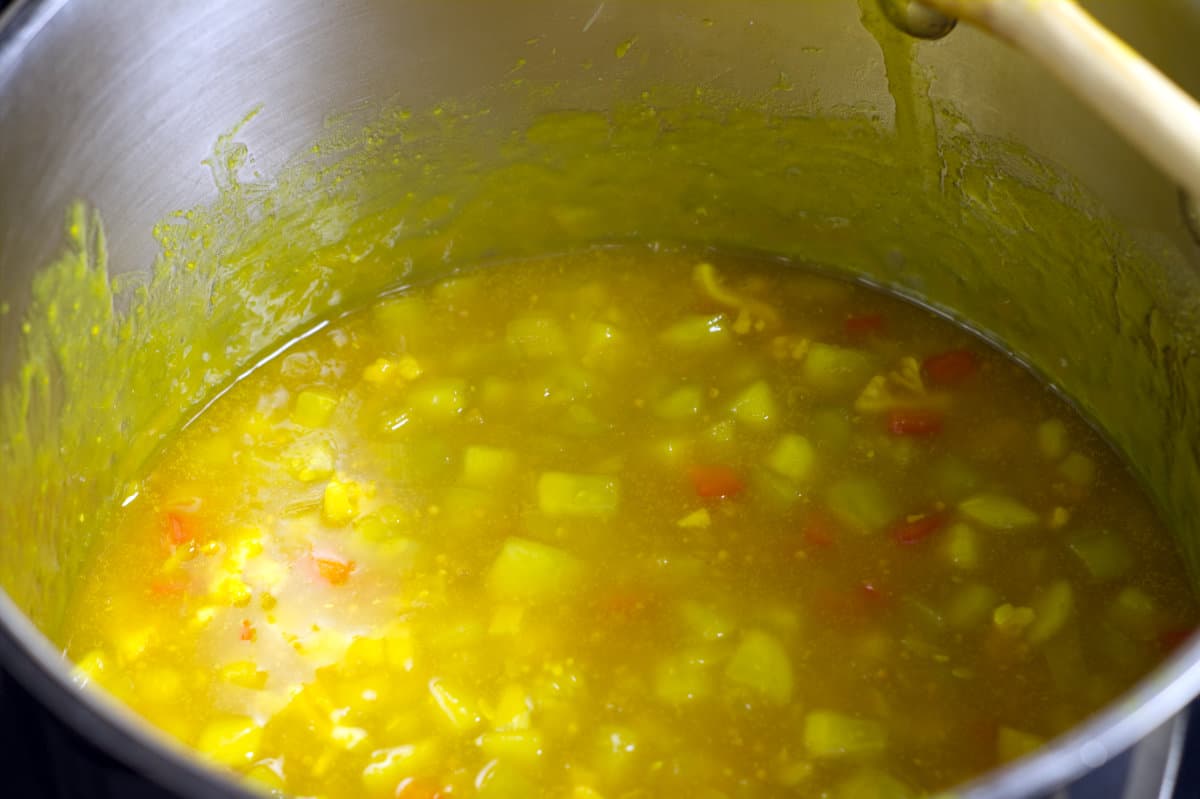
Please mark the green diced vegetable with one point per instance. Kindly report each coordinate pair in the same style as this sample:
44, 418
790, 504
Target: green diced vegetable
230, 740
397, 317
1105, 554
831, 429
1135, 613
683, 678
681, 404
531, 571
706, 622
971, 606
504, 781
387, 767
860, 504
616, 752
1052, 439
998, 512
1013, 744
442, 399
512, 746
954, 478
601, 341
762, 665
488, 467
313, 408
960, 546
697, 333
873, 785
755, 406
829, 734
457, 707
793, 457
536, 336
1053, 607
1078, 468
564, 494
836, 370
923, 615
780, 492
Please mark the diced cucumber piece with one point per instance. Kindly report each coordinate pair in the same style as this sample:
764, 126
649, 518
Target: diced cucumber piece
705, 621
697, 333
997, 512
457, 707
831, 429
513, 710
1013, 744
761, 665
683, 678
836, 370
860, 504
1136, 613
971, 606
602, 341
698, 519
755, 406
793, 457
1052, 439
488, 467
531, 571
1054, 607
829, 734
523, 747
954, 478
960, 546
313, 408
387, 767
1105, 554
564, 494
873, 785
441, 400
398, 318
536, 337
1078, 468
504, 781
616, 751
232, 741
681, 404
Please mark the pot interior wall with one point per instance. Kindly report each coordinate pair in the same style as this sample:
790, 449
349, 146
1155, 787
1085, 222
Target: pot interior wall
767, 128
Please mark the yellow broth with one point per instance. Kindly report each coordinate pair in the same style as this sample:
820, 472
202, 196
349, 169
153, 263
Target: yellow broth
629, 523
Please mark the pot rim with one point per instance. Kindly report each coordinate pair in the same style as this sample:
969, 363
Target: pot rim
29, 656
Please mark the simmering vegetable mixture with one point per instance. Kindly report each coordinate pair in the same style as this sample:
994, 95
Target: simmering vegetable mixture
629, 523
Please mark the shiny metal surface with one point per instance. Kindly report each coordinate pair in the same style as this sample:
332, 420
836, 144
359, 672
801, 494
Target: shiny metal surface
120, 102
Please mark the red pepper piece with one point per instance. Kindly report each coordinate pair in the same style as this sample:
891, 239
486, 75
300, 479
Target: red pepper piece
917, 530
334, 571
248, 632
1174, 638
950, 368
168, 587
819, 531
716, 482
915, 422
864, 325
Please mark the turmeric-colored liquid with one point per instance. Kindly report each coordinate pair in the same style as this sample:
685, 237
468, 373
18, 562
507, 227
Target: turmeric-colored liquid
629, 523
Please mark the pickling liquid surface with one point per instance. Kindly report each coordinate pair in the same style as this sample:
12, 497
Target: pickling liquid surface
629, 524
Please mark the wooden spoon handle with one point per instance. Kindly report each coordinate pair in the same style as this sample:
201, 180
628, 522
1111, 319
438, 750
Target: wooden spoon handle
1143, 104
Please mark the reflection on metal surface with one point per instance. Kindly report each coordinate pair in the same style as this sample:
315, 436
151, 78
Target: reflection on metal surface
917, 19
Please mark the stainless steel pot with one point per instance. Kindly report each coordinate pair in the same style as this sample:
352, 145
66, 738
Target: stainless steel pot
118, 104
